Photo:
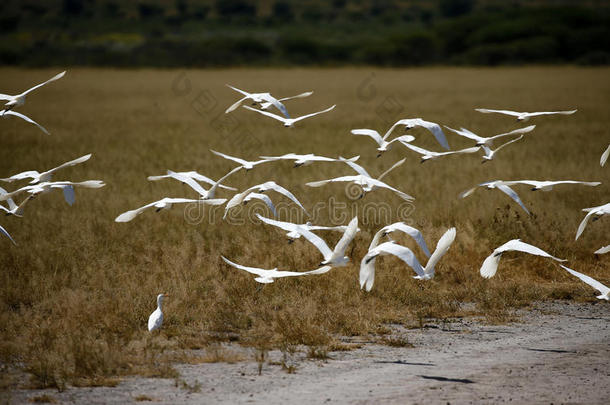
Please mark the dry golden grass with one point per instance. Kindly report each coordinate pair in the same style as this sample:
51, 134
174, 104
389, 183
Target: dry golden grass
77, 291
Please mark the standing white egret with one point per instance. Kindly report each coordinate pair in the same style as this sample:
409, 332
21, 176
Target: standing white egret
364, 180
38, 177
261, 188
193, 175
155, 320
305, 160
604, 157
289, 122
245, 164
523, 116
5, 233
166, 203
490, 265
267, 276
604, 291
367, 265
19, 99
500, 185
296, 230
481, 140
596, 213
257, 98
8, 113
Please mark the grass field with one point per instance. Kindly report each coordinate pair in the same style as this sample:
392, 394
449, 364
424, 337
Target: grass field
76, 292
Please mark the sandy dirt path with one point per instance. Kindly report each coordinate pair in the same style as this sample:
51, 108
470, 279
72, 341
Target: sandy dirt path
557, 353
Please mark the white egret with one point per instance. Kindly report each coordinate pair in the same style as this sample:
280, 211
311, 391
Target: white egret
604, 291
245, 164
261, 188
296, 230
8, 113
188, 180
289, 122
500, 185
384, 145
193, 175
257, 98
596, 213
5, 233
305, 160
367, 265
269, 276
166, 203
428, 154
155, 320
364, 180
490, 265
264, 198
19, 99
42, 188
38, 177
604, 158
481, 140
524, 116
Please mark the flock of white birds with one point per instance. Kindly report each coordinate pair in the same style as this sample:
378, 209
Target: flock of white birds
41, 182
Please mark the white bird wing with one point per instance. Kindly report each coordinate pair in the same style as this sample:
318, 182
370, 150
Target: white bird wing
317, 242
270, 185
359, 169
6, 97
512, 194
602, 250
517, 245
604, 158
264, 198
10, 202
378, 183
419, 150
302, 95
412, 232
26, 118
443, 245
433, 127
507, 112
253, 270
466, 133
504, 144
30, 174
188, 181
346, 239
5, 233
267, 113
394, 166
490, 265
534, 114
19, 210
57, 76
236, 104
519, 131
403, 253
315, 113
459, 151
235, 159
277, 104
589, 280
69, 195
67, 164
335, 180
287, 226
212, 190
369, 132
129, 215
583, 224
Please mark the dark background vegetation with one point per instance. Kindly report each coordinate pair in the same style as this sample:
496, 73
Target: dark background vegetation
200, 33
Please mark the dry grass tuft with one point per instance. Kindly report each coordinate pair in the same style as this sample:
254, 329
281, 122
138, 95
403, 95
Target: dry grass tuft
76, 292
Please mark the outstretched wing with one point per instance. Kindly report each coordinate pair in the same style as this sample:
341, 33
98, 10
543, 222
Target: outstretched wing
26, 118
5, 233
589, 280
235, 159
507, 112
267, 113
57, 76
512, 194
394, 166
604, 158
270, 185
369, 132
348, 236
441, 248
315, 113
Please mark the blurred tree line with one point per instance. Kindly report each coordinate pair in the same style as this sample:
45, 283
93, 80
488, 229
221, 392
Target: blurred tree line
168, 33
